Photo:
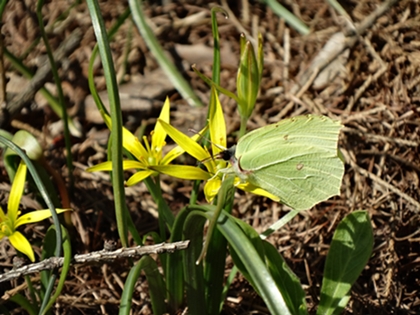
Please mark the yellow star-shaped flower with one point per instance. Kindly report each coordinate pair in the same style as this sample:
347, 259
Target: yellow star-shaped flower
149, 157
215, 168
10, 221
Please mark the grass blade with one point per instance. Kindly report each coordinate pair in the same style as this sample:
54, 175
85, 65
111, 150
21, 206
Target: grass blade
168, 67
116, 118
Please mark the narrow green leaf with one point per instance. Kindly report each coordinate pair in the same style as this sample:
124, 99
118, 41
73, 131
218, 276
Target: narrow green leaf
24, 303
216, 45
215, 259
157, 288
210, 83
280, 223
130, 283
349, 253
252, 237
168, 67
290, 18
174, 269
250, 257
194, 276
286, 280
58, 85
65, 269
116, 118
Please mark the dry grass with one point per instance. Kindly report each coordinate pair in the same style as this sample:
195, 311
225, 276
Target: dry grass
375, 94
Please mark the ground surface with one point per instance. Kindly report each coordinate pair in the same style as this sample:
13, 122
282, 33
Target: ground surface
374, 90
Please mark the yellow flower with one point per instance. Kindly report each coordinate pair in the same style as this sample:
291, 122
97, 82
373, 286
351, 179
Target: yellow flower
215, 168
12, 220
149, 156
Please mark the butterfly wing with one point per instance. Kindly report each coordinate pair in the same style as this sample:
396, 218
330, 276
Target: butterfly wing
295, 159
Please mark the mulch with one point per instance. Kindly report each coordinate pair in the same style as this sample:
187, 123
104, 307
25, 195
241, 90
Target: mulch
373, 88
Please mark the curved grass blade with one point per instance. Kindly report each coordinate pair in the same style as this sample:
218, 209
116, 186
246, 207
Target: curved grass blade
65, 268
116, 118
216, 43
290, 18
57, 80
156, 286
286, 280
194, 274
44, 194
250, 257
24, 303
168, 67
174, 272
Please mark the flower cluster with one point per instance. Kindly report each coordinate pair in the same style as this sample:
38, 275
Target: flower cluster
149, 159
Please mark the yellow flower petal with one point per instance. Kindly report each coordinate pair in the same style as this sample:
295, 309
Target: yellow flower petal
2, 215
172, 155
257, 191
105, 166
130, 142
211, 188
129, 164
216, 123
182, 171
36, 216
133, 145
185, 142
159, 134
19, 242
16, 193
138, 177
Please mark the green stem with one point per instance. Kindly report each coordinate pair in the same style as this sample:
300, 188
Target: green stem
116, 119
242, 130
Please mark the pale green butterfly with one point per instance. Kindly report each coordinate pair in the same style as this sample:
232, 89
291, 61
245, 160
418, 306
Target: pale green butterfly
295, 159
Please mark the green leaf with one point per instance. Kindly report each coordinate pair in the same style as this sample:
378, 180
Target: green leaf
286, 280
121, 211
174, 271
250, 257
289, 17
216, 252
157, 288
48, 249
253, 237
349, 253
210, 83
194, 276
24, 303
168, 67
65, 269
216, 45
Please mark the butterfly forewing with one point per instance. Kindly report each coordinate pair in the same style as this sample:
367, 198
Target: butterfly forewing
295, 159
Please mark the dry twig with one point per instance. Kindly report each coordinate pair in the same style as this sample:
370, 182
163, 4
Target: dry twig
102, 255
